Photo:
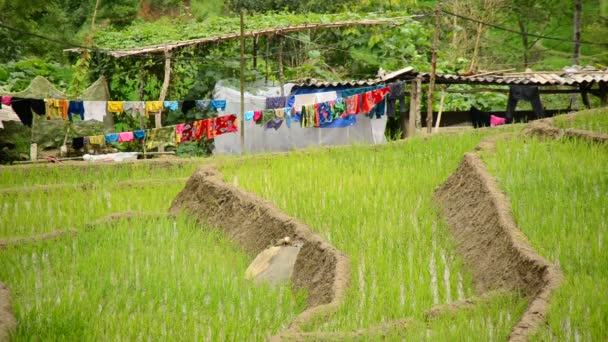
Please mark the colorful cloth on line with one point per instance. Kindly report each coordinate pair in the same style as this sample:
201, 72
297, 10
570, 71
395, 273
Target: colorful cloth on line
157, 136
171, 105
94, 110
6, 100
308, 116
111, 138
97, 140
225, 124
249, 115
257, 115
276, 102
203, 104
274, 123
115, 107
139, 135
56, 108
125, 137
76, 107
219, 105
154, 107
135, 108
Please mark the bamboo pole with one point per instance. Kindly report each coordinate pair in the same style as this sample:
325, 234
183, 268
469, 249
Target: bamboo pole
440, 110
429, 109
281, 75
242, 82
163, 92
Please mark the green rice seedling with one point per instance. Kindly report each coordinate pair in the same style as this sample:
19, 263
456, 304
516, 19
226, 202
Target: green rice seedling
558, 191
376, 205
36, 212
90, 173
146, 279
591, 120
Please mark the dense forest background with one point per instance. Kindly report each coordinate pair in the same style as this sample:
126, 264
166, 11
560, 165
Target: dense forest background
349, 53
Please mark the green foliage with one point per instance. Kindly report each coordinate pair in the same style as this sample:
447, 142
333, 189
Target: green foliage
16, 76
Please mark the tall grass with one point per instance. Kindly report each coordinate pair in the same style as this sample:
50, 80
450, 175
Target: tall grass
156, 279
590, 120
375, 204
559, 192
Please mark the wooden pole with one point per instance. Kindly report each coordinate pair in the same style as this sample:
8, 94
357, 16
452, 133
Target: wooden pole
242, 82
411, 129
281, 76
255, 52
578, 7
440, 110
163, 93
429, 109
139, 114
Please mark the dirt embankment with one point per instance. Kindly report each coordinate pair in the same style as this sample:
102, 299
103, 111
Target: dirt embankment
7, 320
255, 224
545, 128
487, 237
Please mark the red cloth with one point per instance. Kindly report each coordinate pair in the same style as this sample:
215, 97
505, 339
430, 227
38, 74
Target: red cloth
257, 115
379, 94
497, 121
368, 102
352, 104
188, 132
225, 124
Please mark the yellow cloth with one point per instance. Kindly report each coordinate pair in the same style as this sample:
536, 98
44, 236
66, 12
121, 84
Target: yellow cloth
115, 107
97, 140
154, 107
57, 108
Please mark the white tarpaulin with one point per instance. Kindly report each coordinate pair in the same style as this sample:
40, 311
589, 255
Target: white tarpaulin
259, 139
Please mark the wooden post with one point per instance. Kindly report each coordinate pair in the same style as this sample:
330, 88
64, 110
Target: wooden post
255, 52
139, 114
163, 92
585, 95
414, 107
242, 82
577, 44
429, 109
267, 41
281, 76
440, 110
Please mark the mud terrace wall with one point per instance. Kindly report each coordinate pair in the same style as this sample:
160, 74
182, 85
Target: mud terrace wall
496, 251
255, 224
7, 321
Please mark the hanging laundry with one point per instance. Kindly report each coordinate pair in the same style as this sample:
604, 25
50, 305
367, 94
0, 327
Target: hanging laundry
134, 108
139, 135
178, 132
6, 100
267, 115
349, 120
76, 107
249, 115
38, 106
23, 110
188, 132
208, 127
288, 114
111, 138
279, 113
115, 107
353, 104
257, 115
125, 137
199, 129
56, 108
171, 105
323, 113
187, 105
157, 136
154, 107
274, 123
397, 94
340, 108
97, 140
94, 110
276, 102
377, 111
218, 105
225, 124
78, 143
524, 93
203, 104
308, 116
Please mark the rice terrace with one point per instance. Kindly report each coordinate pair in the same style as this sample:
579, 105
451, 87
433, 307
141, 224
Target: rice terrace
279, 170
143, 252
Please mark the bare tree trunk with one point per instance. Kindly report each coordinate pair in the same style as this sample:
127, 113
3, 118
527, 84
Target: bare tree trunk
476, 47
578, 6
524, 40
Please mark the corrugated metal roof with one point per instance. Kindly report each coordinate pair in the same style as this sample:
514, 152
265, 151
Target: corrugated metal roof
406, 73
539, 78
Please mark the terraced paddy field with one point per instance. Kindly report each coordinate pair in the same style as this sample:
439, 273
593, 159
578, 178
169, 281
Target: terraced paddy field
559, 192
114, 265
